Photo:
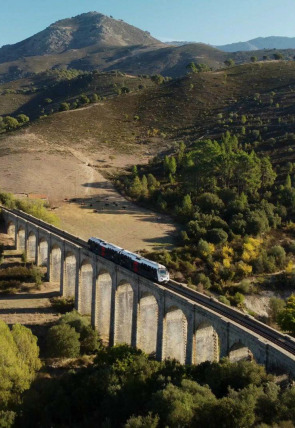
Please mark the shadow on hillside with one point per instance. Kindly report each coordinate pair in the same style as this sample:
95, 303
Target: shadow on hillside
8, 311
99, 185
29, 296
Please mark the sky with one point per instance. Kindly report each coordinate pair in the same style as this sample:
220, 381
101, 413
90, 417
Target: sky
216, 22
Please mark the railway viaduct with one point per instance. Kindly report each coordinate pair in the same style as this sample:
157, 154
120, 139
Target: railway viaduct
169, 320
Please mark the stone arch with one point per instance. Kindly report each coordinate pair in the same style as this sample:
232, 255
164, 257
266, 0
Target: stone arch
206, 344
103, 302
55, 264
239, 352
43, 252
85, 286
11, 229
175, 334
123, 313
21, 239
31, 246
147, 323
70, 264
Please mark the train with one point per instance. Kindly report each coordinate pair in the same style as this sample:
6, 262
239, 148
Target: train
131, 261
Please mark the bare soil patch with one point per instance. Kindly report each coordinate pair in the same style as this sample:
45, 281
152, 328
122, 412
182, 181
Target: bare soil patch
63, 173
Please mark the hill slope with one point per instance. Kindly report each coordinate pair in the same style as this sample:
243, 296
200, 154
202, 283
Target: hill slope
79, 32
272, 42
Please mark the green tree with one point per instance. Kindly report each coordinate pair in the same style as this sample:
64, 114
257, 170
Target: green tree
243, 119
152, 182
135, 189
148, 421
28, 351
254, 59
144, 186
268, 175
22, 118
278, 56
83, 99
275, 307
286, 318
89, 337
63, 341
95, 98
64, 106
19, 356
158, 79
288, 183
10, 123
191, 67
229, 62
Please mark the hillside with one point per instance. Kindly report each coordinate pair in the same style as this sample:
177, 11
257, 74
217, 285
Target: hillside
272, 42
199, 104
248, 109
82, 31
93, 41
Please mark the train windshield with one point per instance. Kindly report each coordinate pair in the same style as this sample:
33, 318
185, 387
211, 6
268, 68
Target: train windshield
163, 272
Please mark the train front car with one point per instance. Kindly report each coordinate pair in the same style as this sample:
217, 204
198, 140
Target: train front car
163, 274
144, 267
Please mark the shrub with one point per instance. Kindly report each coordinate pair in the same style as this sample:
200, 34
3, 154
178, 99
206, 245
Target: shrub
63, 342
89, 338
64, 106
238, 299
201, 278
245, 286
217, 236
62, 304
210, 202
279, 255
224, 300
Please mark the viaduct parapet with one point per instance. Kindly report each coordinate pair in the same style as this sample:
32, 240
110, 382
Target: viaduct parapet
169, 321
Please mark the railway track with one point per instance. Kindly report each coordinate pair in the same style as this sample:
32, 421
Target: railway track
282, 340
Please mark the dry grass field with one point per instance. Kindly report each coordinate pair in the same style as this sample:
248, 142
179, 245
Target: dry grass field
34, 166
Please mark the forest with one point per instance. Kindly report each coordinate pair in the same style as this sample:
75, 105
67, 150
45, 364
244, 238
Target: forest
235, 210
81, 383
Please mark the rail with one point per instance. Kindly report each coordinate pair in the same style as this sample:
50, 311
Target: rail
282, 340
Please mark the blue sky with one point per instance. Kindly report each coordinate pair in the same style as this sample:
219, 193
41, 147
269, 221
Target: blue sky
208, 21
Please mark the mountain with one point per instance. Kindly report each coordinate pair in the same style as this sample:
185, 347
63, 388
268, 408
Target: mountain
93, 41
82, 31
272, 42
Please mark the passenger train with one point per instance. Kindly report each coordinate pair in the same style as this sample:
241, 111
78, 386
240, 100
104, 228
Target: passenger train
128, 260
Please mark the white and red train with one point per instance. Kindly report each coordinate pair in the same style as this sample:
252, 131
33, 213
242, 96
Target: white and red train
128, 260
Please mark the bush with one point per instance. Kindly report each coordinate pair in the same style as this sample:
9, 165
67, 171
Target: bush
279, 255
210, 202
62, 304
217, 236
64, 107
238, 299
63, 342
89, 338
201, 278
245, 286
224, 300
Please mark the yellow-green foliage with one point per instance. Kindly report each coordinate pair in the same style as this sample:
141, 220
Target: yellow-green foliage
19, 361
251, 248
35, 208
227, 253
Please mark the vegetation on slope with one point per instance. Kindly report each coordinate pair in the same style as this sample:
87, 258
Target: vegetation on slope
125, 388
35, 208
